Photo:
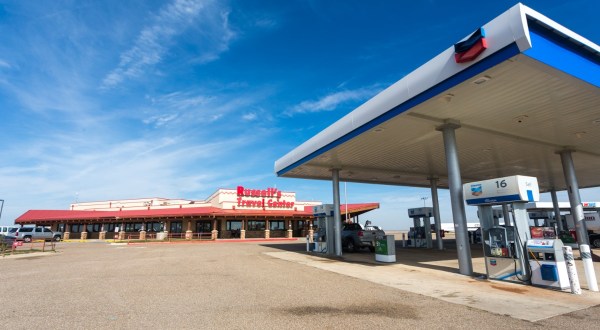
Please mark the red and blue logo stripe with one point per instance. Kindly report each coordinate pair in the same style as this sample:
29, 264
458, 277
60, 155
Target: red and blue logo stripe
470, 49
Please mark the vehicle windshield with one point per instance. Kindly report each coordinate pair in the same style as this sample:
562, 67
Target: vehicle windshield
12, 230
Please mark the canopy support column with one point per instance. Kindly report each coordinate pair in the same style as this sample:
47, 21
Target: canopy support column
436, 213
557, 216
465, 265
337, 218
574, 198
578, 218
506, 214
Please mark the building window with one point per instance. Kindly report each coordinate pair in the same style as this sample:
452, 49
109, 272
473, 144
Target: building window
154, 227
234, 225
110, 227
133, 226
175, 227
76, 228
276, 225
256, 225
203, 226
93, 228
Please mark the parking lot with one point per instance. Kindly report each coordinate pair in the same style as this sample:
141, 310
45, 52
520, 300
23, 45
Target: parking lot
234, 286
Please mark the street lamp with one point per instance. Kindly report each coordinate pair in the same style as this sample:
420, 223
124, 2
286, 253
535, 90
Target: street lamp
1, 207
424, 199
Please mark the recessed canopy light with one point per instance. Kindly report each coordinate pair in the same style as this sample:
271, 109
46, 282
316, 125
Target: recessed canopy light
520, 119
597, 121
481, 80
448, 97
579, 135
379, 129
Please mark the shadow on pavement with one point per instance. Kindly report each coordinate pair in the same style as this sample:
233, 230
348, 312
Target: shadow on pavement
443, 260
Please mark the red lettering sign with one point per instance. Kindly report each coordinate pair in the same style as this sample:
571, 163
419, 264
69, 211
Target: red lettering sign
268, 193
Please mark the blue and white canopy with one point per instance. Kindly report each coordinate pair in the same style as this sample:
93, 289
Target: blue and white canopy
522, 87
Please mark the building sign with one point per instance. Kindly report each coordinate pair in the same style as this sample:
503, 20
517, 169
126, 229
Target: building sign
261, 198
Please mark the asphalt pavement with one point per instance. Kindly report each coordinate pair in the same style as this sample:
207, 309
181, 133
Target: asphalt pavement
97, 285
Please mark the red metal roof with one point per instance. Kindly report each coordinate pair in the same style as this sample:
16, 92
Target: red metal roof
39, 216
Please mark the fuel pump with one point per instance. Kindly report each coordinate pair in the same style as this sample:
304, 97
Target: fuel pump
547, 262
420, 233
540, 215
325, 238
504, 246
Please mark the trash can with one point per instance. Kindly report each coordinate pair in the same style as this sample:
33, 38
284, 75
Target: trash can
385, 248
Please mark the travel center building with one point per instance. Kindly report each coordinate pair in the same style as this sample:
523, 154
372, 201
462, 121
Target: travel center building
227, 213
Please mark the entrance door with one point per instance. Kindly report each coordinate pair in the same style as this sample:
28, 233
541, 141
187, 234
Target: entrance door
175, 227
203, 226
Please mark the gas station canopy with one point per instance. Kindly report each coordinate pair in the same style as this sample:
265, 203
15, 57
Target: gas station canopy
532, 89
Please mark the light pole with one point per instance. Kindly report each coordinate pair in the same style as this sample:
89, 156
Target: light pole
424, 199
1, 207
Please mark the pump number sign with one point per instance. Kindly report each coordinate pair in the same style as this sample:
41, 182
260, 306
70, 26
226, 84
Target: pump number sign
508, 189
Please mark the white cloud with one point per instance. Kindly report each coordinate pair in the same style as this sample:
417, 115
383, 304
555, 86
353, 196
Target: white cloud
249, 116
160, 120
98, 169
332, 101
190, 107
4, 64
174, 19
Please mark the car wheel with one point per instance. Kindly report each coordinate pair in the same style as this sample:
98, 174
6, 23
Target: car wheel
27, 239
596, 242
57, 238
350, 245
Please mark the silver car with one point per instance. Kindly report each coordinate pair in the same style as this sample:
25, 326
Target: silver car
27, 234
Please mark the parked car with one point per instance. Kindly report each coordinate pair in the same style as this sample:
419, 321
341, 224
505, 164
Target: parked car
355, 237
5, 229
27, 234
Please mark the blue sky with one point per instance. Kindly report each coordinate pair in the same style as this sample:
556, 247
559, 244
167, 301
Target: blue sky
128, 99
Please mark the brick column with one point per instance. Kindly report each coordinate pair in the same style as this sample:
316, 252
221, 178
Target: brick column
311, 234
143, 234
188, 232
289, 232
102, 234
67, 233
122, 231
215, 232
267, 231
84, 235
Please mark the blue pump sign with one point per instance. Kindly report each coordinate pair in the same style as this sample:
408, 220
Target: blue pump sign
508, 189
